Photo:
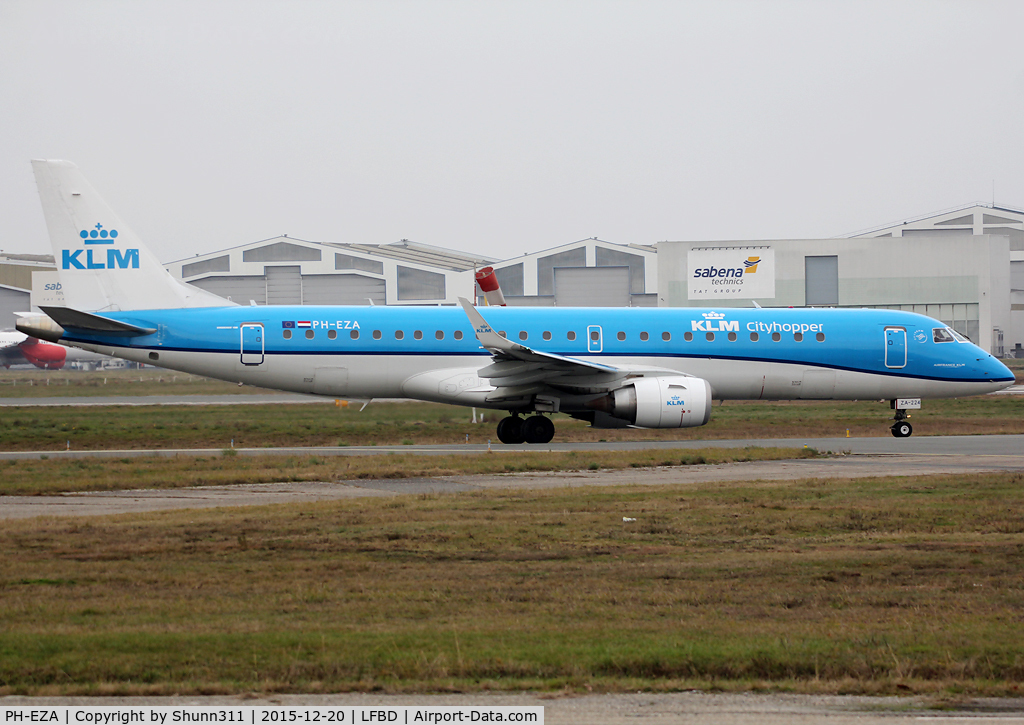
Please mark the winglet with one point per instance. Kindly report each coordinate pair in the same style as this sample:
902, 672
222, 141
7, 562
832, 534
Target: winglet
490, 339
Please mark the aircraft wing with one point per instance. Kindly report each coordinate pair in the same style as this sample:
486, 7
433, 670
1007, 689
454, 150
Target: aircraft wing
517, 370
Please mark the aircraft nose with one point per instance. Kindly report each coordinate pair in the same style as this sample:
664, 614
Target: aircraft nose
993, 368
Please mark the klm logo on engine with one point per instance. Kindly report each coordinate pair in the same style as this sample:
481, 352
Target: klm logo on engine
714, 322
94, 258
675, 400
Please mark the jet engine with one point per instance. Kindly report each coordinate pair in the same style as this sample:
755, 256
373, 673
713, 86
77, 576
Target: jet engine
48, 357
661, 402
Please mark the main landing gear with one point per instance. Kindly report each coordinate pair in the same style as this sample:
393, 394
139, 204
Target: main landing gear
901, 428
535, 429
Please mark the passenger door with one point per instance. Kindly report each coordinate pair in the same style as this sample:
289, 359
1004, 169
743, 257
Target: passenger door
252, 343
895, 347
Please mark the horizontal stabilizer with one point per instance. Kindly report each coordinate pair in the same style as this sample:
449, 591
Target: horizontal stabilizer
73, 319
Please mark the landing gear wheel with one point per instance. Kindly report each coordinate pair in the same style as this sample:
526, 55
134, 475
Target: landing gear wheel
510, 430
538, 429
902, 429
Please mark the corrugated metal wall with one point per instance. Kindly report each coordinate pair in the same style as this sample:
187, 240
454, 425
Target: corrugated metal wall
342, 289
284, 285
591, 286
238, 289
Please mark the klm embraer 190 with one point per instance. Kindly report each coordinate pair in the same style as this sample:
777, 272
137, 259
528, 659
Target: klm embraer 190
614, 367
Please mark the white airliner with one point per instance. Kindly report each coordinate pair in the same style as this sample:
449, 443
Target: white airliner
615, 367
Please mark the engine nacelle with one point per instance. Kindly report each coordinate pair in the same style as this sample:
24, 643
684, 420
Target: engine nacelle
662, 402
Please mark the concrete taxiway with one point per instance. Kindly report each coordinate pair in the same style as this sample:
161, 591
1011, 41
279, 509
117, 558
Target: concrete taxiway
946, 446
873, 458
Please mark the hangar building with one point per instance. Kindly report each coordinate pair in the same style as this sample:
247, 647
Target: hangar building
288, 271
964, 267
16, 283
284, 270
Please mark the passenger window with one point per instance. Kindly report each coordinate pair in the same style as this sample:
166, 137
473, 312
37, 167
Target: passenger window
354, 334
732, 337
439, 334
688, 336
331, 334
502, 333
458, 335
523, 335
287, 334
776, 336
754, 337
570, 335
820, 337
595, 335
399, 334
376, 334
941, 334
666, 336
644, 336
546, 335
309, 334
418, 334
798, 336
710, 336
621, 336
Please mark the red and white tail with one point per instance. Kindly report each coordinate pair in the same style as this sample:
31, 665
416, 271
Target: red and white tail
487, 281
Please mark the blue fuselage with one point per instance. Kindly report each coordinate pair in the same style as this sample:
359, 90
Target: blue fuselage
743, 353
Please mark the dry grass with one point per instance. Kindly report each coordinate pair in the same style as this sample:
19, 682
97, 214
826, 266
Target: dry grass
875, 585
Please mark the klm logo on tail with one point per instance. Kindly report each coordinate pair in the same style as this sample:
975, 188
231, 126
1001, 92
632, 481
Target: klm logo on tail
115, 258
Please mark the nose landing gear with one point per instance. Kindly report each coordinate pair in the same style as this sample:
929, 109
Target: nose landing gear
535, 429
901, 428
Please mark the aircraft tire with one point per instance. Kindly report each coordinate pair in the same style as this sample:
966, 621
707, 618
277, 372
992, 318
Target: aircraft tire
510, 430
538, 429
903, 429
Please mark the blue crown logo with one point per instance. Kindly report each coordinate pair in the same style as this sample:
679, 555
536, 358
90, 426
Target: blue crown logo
99, 235
713, 316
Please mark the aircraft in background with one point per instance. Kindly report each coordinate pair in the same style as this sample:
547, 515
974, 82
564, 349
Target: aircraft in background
614, 367
16, 348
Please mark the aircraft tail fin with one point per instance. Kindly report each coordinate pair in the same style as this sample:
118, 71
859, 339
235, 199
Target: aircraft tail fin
102, 264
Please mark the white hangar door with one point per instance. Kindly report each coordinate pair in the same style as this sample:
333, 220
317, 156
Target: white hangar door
342, 289
284, 285
591, 286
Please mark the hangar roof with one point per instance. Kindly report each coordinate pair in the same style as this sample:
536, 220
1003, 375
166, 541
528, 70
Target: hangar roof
976, 218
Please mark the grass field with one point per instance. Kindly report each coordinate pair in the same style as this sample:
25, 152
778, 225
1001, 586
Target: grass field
871, 586
255, 426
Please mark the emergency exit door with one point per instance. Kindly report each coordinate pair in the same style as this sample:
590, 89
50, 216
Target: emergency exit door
895, 347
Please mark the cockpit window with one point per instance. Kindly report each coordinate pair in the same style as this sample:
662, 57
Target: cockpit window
959, 337
941, 334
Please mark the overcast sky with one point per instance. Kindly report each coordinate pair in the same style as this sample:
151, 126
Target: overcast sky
509, 127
